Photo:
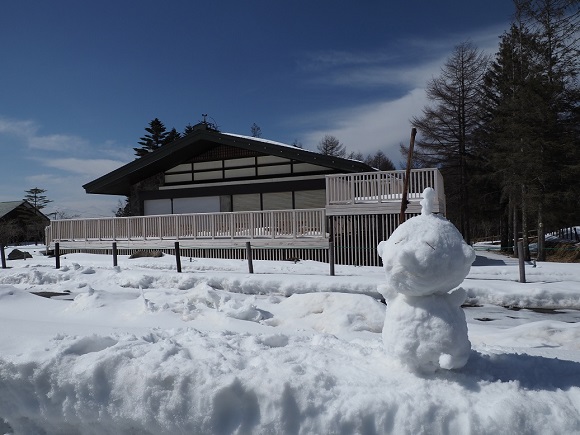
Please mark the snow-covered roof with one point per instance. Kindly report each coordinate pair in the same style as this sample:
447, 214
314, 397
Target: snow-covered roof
118, 182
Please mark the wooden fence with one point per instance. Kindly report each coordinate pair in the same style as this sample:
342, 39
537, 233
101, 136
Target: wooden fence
264, 228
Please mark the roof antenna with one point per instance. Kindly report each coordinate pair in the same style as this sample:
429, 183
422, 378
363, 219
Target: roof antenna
204, 118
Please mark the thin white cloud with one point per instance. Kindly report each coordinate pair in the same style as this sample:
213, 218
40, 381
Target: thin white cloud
27, 131
69, 197
17, 127
385, 123
377, 76
379, 126
57, 142
332, 59
91, 168
62, 178
408, 63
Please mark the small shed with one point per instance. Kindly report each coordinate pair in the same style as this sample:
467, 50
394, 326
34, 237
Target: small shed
20, 222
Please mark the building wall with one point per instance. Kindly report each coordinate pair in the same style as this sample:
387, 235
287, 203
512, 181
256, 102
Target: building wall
226, 179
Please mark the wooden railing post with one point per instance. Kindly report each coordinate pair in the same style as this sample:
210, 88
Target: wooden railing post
57, 254
249, 257
178, 257
3, 254
331, 256
114, 254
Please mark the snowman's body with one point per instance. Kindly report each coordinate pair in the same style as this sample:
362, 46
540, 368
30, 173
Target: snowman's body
425, 259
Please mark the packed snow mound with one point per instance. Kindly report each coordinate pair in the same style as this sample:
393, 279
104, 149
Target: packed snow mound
425, 255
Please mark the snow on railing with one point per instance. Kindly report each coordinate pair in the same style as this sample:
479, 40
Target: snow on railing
275, 225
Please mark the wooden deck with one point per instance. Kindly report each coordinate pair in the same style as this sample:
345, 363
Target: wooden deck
361, 210
381, 192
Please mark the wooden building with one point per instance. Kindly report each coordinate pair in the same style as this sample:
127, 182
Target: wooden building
215, 191
20, 222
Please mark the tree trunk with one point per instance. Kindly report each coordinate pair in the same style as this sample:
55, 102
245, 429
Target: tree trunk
525, 238
504, 227
541, 234
515, 222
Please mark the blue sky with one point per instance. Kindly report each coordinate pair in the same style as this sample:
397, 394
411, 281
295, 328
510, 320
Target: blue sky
81, 80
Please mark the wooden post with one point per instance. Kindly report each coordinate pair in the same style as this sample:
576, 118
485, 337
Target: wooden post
521, 261
404, 201
541, 254
331, 256
57, 254
249, 256
178, 257
115, 254
3, 257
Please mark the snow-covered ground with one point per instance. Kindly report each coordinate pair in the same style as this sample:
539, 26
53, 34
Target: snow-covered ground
142, 349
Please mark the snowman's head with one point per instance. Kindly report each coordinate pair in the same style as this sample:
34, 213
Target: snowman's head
425, 255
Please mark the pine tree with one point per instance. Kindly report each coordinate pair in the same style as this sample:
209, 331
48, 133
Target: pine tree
35, 197
33, 223
532, 131
156, 137
172, 135
188, 129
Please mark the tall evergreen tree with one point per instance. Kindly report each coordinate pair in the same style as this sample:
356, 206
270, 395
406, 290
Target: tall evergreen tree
510, 105
533, 115
156, 137
36, 197
34, 224
447, 127
172, 135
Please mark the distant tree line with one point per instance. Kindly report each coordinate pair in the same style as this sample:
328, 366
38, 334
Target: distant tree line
331, 146
504, 131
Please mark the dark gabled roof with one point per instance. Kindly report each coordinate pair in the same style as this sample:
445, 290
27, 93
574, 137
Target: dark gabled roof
119, 181
9, 206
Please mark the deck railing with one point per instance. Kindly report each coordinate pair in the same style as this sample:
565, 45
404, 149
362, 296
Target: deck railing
384, 186
308, 224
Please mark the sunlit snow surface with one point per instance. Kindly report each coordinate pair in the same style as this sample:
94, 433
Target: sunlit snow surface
142, 349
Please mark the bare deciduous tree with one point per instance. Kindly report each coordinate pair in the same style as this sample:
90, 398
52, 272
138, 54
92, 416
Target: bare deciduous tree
331, 146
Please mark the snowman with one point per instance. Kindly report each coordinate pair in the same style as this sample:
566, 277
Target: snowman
425, 259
